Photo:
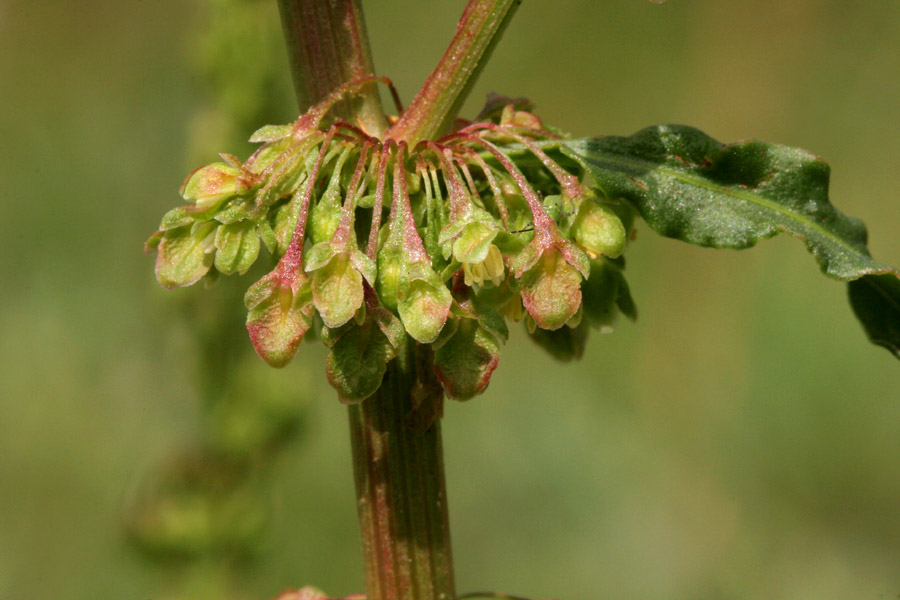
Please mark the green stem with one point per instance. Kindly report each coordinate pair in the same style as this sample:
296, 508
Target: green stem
400, 490
327, 47
433, 110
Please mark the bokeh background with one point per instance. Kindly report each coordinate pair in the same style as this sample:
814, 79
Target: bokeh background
741, 440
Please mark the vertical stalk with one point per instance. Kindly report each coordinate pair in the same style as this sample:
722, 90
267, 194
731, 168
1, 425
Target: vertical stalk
433, 110
400, 490
328, 46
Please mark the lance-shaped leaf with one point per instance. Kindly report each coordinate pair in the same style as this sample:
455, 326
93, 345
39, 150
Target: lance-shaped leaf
688, 186
185, 254
691, 187
280, 312
465, 362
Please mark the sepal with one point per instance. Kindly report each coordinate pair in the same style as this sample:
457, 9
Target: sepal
280, 311
185, 255
465, 362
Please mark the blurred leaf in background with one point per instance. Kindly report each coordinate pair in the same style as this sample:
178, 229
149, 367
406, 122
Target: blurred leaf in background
739, 440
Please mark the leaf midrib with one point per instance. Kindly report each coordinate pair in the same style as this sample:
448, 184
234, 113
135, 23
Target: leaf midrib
729, 191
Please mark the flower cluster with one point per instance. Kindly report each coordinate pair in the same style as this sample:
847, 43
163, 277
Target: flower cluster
377, 244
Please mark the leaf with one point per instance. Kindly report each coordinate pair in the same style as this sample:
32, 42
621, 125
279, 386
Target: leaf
876, 302
688, 186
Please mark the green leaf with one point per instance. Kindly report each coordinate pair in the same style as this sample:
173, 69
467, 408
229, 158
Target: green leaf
876, 301
688, 186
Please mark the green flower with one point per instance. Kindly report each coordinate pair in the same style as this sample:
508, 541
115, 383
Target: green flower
436, 246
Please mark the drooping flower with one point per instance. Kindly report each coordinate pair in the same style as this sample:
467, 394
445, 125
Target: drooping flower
438, 245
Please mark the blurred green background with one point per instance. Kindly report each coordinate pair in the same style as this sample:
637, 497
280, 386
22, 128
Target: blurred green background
741, 440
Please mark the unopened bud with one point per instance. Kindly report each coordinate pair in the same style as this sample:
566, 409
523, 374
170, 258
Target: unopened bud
210, 185
598, 230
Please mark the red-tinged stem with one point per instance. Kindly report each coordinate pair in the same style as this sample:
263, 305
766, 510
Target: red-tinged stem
433, 110
401, 496
328, 47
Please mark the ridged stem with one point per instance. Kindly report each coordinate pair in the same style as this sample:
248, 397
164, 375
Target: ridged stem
436, 105
328, 46
400, 490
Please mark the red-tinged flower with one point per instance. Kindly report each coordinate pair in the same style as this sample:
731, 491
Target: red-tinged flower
436, 245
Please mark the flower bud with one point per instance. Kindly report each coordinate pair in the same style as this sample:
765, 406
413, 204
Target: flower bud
210, 185
598, 230
390, 271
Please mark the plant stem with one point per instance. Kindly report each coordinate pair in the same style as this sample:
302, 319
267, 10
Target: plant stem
328, 46
433, 110
400, 490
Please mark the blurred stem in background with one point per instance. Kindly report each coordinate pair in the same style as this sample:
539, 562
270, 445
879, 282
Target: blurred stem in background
201, 512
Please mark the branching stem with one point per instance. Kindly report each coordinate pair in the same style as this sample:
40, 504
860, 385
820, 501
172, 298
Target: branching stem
434, 109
